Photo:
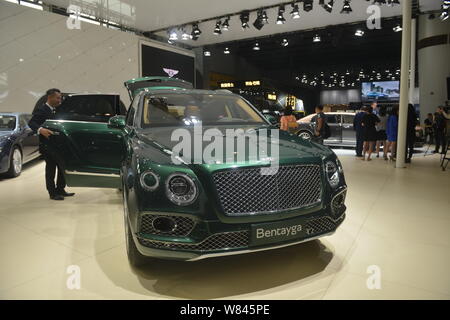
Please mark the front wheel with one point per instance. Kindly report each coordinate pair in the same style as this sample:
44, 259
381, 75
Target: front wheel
15, 163
305, 135
135, 258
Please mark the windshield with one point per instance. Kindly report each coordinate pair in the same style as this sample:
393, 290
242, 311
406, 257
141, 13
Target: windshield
186, 109
7, 123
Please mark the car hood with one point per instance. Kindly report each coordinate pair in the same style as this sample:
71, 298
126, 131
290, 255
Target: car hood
292, 149
5, 134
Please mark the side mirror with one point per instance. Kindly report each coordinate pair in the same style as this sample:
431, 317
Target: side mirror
117, 122
271, 119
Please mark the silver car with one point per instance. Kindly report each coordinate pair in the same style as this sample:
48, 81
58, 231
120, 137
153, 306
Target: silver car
341, 127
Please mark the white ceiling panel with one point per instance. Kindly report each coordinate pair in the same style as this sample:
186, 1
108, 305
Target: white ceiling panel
150, 15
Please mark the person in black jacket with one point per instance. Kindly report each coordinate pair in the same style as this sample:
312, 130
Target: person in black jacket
410, 133
40, 115
359, 131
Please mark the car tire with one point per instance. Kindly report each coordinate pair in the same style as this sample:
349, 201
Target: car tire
305, 135
15, 163
135, 258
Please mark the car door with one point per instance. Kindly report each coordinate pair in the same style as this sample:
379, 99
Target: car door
348, 132
334, 122
85, 146
30, 140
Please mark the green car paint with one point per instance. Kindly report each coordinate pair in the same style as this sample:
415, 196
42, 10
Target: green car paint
118, 153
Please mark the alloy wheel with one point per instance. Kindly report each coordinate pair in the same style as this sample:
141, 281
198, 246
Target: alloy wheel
17, 161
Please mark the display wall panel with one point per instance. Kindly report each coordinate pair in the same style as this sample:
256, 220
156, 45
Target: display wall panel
92, 59
162, 60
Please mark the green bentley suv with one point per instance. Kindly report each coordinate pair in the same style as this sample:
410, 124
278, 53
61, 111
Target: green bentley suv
203, 173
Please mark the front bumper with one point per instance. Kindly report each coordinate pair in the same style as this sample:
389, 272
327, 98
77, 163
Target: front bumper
238, 240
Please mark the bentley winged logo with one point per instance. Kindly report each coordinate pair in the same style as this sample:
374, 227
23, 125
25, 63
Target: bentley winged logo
171, 72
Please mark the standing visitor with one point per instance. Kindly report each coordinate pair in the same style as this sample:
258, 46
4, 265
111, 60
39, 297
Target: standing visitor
392, 133
288, 121
321, 125
369, 123
429, 134
357, 126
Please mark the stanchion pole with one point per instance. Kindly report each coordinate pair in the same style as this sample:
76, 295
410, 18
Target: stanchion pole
404, 83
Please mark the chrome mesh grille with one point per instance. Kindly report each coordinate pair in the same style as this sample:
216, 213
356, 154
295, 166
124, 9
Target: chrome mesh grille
247, 191
320, 225
219, 241
184, 225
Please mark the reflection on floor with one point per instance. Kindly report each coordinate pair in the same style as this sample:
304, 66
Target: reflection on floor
398, 223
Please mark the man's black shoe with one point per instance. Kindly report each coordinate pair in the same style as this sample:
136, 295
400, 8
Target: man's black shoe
66, 194
56, 197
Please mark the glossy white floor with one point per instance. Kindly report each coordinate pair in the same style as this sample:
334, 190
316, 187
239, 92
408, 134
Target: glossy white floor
397, 220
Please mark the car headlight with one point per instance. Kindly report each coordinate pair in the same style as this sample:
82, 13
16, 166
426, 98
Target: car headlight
181, 189
332, 172
149, 181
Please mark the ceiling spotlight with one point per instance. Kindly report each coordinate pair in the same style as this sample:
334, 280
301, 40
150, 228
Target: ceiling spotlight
284, 43
307, 5
226, 24
195, 32
184, 35
207, 53
393, 2
397, 28
280, 18
359, 33
346, 8
245, 17
444, 15
173, 35
256, 47
295, 13
261, 19
227, 51
218, 29
329, 6
317, 38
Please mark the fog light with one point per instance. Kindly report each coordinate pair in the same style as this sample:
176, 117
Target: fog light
164, 224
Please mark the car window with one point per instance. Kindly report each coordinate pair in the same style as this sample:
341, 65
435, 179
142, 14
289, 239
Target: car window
96, 108
348, 118
185, 109
132, 110
331, 118
7, 123
23, 121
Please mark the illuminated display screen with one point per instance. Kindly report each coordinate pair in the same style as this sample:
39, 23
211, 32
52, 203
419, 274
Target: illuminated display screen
382, 90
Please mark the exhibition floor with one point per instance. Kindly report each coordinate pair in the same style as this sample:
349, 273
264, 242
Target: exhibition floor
397, 220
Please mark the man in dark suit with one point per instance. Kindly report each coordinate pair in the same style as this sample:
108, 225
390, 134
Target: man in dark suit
357, 126
42, 113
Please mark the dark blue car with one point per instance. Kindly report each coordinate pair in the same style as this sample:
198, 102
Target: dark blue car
18, 143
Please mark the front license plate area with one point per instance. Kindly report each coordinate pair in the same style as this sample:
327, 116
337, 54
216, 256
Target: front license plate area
267, 233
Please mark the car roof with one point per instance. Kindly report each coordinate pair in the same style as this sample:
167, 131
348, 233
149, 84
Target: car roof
154, 78
91, 94
157, 90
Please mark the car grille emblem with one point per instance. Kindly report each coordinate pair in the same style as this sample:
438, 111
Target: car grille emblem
171, 72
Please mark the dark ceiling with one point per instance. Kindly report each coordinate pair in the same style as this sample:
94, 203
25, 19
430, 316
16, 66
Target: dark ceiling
339, 50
